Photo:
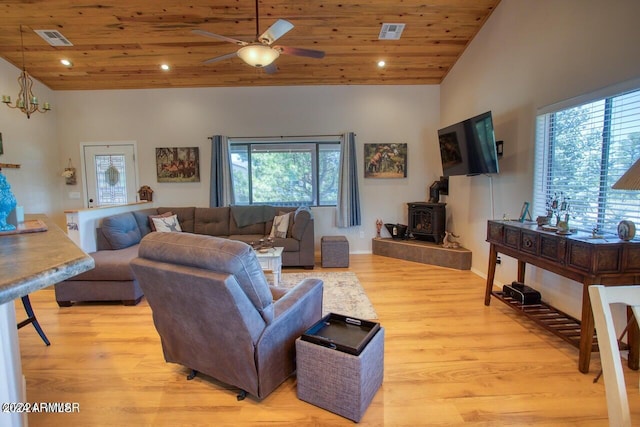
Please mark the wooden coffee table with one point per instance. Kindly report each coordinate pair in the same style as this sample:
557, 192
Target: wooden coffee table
271, 260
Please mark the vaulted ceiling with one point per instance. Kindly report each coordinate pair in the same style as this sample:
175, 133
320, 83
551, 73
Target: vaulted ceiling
121, 44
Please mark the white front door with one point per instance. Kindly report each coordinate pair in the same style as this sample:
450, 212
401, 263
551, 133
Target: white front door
110, 174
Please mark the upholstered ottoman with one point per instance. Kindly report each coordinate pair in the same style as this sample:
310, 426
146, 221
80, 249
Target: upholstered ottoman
334, 251
340, 382
110, 280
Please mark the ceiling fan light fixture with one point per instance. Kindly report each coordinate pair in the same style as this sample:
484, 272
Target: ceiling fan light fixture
258, 55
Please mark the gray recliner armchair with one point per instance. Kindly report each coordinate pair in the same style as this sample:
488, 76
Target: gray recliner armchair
216, 314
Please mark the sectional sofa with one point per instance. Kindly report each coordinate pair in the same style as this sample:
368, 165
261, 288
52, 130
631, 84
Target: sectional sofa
119, 236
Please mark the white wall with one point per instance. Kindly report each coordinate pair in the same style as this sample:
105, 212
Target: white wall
186, 117
31, 143
528, 55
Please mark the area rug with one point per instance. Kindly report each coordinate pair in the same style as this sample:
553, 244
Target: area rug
343, 293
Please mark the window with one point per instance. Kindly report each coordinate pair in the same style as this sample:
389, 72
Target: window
582, 149
285, 171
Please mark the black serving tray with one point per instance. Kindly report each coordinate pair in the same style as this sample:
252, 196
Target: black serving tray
342, 333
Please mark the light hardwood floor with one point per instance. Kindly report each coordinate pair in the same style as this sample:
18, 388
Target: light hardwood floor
449, 360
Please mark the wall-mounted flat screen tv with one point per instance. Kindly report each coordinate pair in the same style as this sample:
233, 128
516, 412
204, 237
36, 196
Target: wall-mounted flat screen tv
469, 147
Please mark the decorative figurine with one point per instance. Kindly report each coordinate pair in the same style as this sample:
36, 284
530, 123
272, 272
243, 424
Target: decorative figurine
448, 241
378, 227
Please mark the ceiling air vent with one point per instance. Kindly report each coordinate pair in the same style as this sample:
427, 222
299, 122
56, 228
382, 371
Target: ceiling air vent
391, 31
53, 37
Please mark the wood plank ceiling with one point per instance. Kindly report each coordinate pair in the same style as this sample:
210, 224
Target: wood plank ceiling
121, 44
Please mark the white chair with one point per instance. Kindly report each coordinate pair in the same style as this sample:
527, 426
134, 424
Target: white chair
601, 299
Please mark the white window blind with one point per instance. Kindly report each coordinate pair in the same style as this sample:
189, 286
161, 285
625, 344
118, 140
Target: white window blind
581, 151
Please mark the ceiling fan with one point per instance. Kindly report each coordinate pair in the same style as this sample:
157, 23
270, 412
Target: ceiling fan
261, 53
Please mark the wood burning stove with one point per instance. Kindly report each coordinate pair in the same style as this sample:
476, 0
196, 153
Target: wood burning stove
427, 221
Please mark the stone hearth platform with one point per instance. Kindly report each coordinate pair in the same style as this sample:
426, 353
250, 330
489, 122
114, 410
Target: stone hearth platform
423, 252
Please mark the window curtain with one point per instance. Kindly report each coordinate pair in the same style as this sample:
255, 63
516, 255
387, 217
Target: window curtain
348, 208
221, 194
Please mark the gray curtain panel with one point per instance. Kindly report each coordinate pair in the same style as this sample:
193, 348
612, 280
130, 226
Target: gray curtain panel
348, 208
221, 194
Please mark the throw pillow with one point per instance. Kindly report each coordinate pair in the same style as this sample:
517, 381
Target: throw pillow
280, 226
151, 217
291, 218
167, 224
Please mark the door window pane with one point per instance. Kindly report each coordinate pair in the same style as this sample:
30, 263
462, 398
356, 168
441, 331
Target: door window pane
111, 179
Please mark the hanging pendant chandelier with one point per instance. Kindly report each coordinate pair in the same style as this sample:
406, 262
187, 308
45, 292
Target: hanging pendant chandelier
27, 102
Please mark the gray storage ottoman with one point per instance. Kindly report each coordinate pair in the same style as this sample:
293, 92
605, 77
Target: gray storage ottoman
340, 382
334, 251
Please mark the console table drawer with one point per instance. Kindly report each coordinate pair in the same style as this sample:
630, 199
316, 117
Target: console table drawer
529, 242
553, 248
495, 232
511, 237
631, 259
592, 259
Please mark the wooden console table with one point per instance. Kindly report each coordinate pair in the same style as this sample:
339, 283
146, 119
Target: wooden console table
579, 257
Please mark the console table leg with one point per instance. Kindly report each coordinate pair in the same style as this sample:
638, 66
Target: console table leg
632, 340
521, 270
586, 330
491, 274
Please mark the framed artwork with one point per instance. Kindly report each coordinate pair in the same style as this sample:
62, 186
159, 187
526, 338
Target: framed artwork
178, 164
385, 160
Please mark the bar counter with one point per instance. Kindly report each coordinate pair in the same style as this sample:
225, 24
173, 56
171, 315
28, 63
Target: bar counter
29, 262
32, 261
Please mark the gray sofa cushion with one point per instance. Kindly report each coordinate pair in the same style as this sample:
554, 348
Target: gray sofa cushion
142, 218
121, 231
213, 222
248, 215
185, 217
216, 254
258, 228
302, 217
110, 266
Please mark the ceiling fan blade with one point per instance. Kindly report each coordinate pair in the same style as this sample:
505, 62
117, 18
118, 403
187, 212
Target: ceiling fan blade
297, 51
219, 37
271, 68
221, 58
277, 30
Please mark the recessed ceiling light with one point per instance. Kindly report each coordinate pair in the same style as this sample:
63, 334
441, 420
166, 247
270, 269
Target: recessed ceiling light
381, 64
66, 62
165, 67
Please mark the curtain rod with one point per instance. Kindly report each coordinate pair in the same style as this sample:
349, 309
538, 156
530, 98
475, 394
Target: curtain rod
281, 136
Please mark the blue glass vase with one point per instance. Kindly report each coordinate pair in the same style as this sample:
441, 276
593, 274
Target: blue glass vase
7, 204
